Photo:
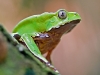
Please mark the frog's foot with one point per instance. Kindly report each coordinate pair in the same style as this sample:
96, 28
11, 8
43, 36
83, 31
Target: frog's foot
48, 64
52, 67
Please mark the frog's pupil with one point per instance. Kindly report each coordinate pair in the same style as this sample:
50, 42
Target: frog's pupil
62, 14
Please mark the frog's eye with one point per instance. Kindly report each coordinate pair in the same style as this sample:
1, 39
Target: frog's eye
62, 14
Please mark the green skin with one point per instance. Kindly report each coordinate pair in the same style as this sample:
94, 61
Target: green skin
37, 24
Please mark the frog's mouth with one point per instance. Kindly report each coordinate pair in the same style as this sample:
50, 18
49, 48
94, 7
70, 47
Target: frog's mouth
67, 27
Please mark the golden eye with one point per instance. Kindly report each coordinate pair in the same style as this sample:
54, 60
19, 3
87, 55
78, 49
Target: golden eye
62, 14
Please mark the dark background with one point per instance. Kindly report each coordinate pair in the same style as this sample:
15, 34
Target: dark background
78, 53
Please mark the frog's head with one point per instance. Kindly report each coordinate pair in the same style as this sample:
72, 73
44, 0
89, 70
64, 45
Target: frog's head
63, 21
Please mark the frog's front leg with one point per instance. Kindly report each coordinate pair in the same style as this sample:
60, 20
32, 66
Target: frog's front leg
28, 40
48, 56
31, 45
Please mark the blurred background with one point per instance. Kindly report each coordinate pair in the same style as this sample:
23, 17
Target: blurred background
78, 53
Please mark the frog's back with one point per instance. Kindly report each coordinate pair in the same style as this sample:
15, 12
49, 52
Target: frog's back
32, 24
25, 26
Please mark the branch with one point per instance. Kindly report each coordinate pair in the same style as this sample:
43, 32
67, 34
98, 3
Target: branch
15, 59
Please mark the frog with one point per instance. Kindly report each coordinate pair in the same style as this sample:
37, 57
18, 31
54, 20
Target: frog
41, 33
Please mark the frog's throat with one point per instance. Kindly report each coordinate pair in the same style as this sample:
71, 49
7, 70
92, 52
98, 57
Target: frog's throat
67, 27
